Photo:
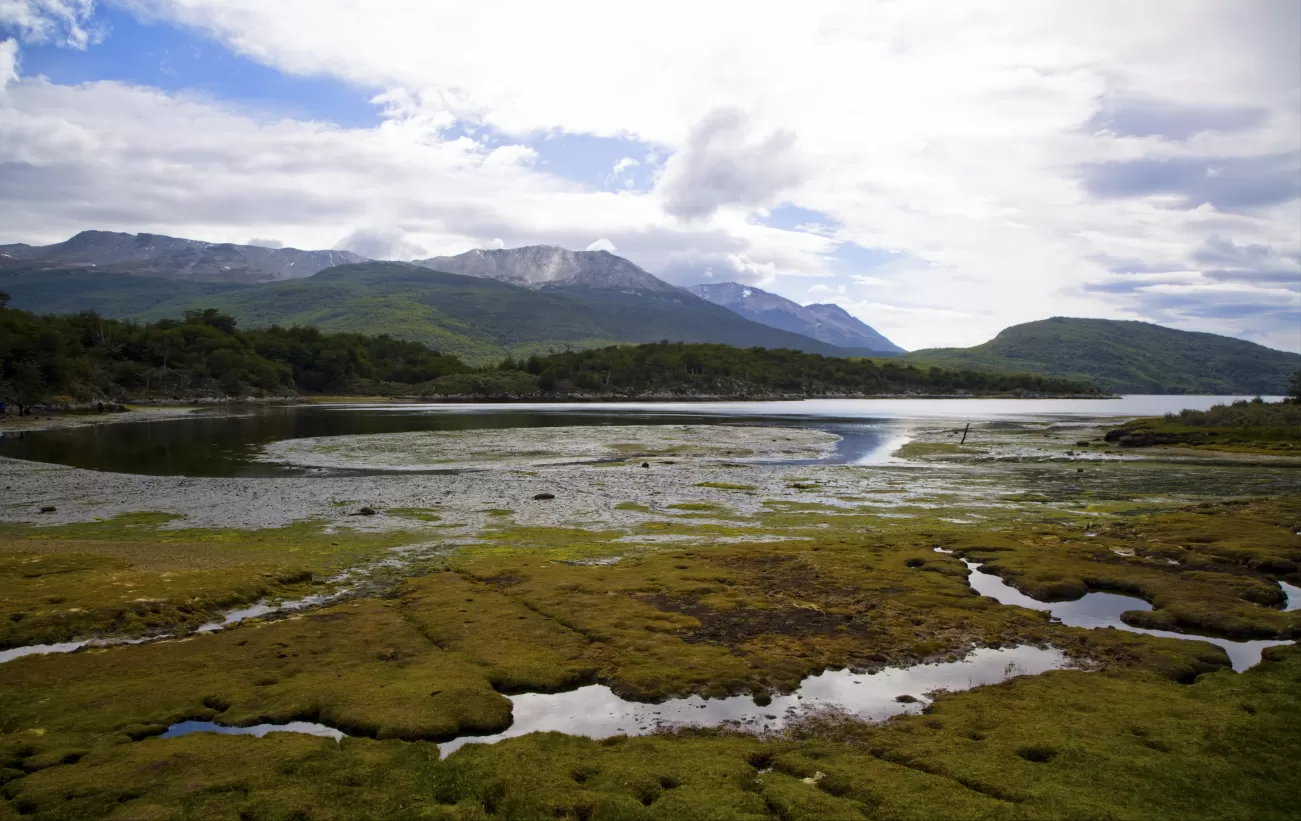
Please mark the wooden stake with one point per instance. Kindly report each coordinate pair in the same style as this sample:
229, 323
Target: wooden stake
964, 434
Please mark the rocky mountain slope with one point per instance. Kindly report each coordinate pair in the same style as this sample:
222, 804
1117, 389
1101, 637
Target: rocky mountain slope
547, 266
1127, 357
172, 257
828, 323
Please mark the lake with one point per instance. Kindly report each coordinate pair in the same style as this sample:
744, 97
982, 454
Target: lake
225, 442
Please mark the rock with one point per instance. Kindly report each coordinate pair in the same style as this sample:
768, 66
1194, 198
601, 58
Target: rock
48, 509
1079, 470
366, 511
1083, 443
540, 497
645, 464
906, 699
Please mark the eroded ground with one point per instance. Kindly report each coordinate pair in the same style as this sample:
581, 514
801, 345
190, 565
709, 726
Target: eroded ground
695, 575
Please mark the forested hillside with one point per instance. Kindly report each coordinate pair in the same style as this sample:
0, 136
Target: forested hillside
85, 357
1127, 357
477, 319
721, 370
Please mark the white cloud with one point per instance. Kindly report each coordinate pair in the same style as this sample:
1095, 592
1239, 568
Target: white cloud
496, 243
623, 165
265, 243
8, 62
61, 22
602, 244
951, 133
381, 242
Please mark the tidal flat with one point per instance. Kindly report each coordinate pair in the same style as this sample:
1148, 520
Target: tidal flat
446, 588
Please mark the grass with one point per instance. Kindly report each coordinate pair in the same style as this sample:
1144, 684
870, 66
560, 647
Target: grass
725, 486
131, 575
433, 657
1243, 427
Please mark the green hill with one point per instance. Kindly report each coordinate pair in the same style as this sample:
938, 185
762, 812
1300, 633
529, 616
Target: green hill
480, 320
1127, 357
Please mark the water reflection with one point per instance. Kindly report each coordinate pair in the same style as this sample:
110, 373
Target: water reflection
1095, 610
259, 730
596, 712
224, 442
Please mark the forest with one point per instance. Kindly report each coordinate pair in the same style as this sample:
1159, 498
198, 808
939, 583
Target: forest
82, 358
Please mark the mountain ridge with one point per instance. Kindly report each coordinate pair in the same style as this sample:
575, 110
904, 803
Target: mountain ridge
547, 266
1127, 356
159, 255
824, 322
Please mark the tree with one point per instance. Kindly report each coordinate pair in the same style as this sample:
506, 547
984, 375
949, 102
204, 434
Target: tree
1294, 387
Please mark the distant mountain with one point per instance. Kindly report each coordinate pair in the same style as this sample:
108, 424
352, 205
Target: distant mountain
160, 256
481, 320
1127, 357
547, 266
828, 323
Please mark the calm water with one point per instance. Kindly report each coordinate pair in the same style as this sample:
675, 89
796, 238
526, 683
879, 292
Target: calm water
1099, 610
224, 443
596, 712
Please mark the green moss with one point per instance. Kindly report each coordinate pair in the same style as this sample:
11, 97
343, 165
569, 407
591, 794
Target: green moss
725, 486
1067, 744
420, 514
914, 450
130, 575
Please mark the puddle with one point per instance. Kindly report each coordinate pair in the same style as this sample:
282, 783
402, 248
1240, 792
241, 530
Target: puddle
262, 609
1098, 610
596, 712
259, 730
38, 649
1293, 594
69, 646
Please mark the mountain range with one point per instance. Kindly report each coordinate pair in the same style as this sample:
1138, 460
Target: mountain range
172, 257
482, 305
485, 305
828, 323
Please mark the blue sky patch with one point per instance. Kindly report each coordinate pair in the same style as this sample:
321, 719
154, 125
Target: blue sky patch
173, 59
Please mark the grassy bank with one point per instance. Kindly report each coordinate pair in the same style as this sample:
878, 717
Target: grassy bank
1243, 427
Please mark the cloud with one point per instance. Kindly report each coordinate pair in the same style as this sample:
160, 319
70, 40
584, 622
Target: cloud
623, 165
61, 22
1172, 119
1226, 183
265, 243
1009, 157
602, 245
723, 165
496, 243
8, 62
381, 243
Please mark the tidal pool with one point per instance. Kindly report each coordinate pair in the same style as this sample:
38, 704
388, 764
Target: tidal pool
1100, 610
259, 730
596, 712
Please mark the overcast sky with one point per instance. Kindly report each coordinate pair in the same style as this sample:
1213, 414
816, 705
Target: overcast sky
940, 169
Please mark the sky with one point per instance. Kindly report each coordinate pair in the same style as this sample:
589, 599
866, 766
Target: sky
941, 170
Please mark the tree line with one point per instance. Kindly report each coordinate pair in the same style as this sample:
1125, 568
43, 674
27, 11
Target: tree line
85, 358
722, 370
